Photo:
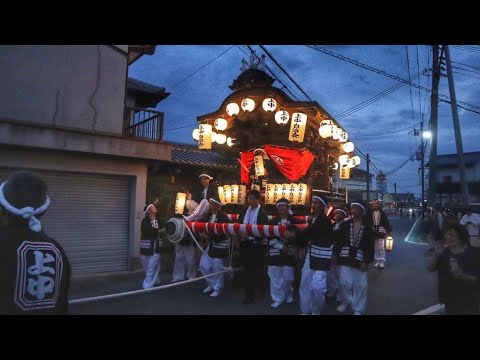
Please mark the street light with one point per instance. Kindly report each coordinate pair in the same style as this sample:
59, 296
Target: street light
427, 134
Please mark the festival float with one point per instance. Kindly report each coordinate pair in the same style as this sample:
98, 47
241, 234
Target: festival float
285, 148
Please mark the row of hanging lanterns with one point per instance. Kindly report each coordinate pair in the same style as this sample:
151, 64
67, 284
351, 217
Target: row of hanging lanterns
232, 194
329, 130
295, 193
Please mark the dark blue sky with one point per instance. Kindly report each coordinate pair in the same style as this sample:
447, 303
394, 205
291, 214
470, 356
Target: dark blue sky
379, 128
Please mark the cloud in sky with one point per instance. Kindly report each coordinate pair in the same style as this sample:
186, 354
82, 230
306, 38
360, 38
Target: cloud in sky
335, 84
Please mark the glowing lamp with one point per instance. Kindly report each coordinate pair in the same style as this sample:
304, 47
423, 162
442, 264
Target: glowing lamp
269, 104
195, 134
348, 147
221, 124
248, 104
282, 117
180, 203
389, 243
205, 136
233, 109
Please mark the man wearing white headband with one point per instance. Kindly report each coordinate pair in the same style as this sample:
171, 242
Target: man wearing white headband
204, 191
35, 271
334, 272
280, 259
381, 228
318, 236
217, 249
354, 250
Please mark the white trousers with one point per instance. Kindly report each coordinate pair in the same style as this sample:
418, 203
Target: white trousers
151, 265
184, 263
332, 281
380, 250
281, 283
353, 284
313, 287
209, 266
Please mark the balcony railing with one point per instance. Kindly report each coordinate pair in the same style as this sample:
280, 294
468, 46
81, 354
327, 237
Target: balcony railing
143, 123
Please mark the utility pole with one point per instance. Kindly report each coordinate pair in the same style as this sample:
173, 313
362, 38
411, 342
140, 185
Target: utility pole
456, 126
368, 178
395, 186
432, 186
422, 169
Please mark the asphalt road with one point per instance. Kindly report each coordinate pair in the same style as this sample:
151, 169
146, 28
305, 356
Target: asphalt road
402, 288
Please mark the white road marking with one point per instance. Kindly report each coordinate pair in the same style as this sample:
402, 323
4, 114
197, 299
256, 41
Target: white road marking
430, 310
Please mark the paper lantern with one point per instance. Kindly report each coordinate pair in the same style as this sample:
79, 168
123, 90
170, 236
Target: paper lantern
277, 188
259, 167
195, 134
269, 194
205, 136
389, 243
234, 194
221, 139
227, 190
233, 109
348, 147
335, 166
269, 104
344, 172
248, 104
297, 127
242, 194
220, 124
355, 160
230, 141
285, 191
336, 133
221, 195
343, 159
180, 203
302, 194
293, 194
282, 117
326, 122
343, 136
214, 136
325, 131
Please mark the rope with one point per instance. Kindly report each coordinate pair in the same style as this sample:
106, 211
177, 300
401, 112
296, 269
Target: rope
143, 291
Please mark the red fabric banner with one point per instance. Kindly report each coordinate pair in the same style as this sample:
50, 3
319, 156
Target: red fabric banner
246, 158
292, 163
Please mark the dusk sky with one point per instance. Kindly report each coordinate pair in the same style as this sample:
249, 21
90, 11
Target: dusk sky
381, 128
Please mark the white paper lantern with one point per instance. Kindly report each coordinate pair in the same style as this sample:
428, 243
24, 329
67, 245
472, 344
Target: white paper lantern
348, 147
302, 194
230, 141
277, 188
234, 194
344, 172
269, 193
221, 139
195, 134
227, 190
336, 133
259, 167
343, 135
335, 166
293, 194
355, 160
233, 109
242, 194
282, 117
221, 124
285, 191
248, 104
269, 104
326, 122
325, 131
214, 136
389, 243
343, 159
205, 136
297, 127
180, 203
221, 195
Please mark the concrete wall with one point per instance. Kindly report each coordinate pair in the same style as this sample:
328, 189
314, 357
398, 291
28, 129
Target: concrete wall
47, 160
80, 86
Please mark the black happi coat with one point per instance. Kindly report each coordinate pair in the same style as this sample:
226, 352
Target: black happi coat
277, 247
149, 242
350, 252
381, 230
319, 236
218, 244
262, 219
197, 192
34, 273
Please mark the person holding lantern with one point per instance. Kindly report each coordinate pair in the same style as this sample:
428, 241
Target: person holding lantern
280, 258
354, 247
381, 228
318, 235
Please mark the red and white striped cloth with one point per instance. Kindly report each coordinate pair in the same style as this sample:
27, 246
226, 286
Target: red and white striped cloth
240, 229
302, 219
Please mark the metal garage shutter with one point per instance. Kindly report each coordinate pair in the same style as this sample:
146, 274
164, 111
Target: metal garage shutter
89, 217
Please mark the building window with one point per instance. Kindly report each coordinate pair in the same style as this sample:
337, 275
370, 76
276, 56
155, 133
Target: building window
447, 179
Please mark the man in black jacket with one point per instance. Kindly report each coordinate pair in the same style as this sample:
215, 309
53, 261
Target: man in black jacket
378, 219
252, 249
34, 271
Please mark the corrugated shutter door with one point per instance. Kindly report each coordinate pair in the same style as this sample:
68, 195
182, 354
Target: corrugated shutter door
89, 217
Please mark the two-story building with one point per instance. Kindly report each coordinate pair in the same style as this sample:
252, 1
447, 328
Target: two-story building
355, 188
66, 113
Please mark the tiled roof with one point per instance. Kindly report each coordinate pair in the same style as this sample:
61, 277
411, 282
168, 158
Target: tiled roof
185, 154
134, 84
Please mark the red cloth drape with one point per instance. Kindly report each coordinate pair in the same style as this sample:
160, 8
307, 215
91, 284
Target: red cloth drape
246, 158
292, 163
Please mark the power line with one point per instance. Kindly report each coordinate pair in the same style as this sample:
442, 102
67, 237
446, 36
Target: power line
419, 93
473, 67
384, 73
204, 66
410, 88
286, 73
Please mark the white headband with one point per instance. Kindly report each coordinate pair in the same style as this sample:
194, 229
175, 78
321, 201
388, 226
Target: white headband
205, 175
26, 212
359, 205
148, 207
342, 211
215, 201
283, 203
320, 199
